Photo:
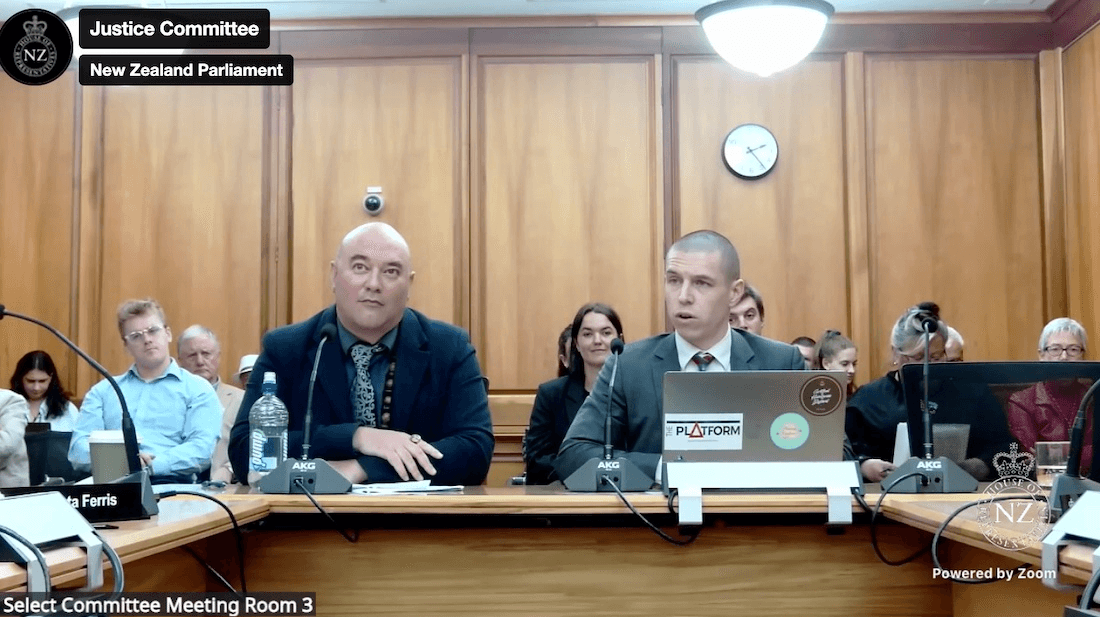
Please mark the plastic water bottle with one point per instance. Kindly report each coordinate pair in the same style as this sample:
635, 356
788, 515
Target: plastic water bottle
267, 420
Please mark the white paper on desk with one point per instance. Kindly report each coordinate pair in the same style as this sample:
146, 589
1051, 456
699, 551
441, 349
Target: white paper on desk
392, 488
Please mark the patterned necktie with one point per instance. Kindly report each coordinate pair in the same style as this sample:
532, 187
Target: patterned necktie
361, 354
702, 360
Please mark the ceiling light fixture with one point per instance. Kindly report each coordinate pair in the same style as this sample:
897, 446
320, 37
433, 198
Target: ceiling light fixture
764, 36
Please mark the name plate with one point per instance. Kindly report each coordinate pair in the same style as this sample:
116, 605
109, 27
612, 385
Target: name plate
99, 502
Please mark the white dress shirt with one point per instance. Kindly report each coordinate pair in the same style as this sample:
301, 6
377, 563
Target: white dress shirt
721, 352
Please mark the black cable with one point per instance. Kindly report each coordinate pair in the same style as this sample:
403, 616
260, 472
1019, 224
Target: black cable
211, 570
1090, 591
672, 494
874, 519
943, 526
302, 485
862, 501
664, 536
37, 555
232, 518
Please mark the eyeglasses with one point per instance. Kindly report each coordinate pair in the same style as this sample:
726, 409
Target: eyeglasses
919, 357
1073, 351
138, 335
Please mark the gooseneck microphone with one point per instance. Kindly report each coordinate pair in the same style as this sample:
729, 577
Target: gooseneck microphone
327, 331
129, 434
929, 474
136, 500
1069, 486
616, 349
303, 475
607, 472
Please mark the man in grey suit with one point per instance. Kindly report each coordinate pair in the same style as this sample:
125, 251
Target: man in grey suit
702, 281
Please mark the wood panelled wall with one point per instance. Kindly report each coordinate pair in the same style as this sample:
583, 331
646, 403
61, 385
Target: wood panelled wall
1082, 180
535, 169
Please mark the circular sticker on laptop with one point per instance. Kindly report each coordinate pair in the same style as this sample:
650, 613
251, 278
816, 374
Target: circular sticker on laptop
790, 431
821, 395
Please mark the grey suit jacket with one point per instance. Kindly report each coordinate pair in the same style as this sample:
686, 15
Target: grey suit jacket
639, 394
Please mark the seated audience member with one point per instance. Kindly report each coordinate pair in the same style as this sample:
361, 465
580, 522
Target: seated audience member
747, 313
565, 350
876, 409
399, 396
557, 401
176, 414
36, 379
837, 352
702, 280
200, 353
954, 346
14, 470
244, 371
1045, 411
805, 347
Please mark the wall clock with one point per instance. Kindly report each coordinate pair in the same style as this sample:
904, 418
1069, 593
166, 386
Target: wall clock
750, 151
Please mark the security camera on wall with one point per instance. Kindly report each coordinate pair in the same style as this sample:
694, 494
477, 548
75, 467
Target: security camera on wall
373, 202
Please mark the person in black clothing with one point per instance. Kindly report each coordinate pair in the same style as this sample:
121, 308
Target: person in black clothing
557, 401
875, 410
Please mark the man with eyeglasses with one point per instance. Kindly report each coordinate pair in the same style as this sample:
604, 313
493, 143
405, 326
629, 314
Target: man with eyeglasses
1045, 411
177, 414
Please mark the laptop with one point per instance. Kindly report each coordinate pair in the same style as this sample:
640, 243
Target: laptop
754, 416
978, 394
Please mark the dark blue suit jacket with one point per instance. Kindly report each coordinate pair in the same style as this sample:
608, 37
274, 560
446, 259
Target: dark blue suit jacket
556, 404
438, 393
637, 431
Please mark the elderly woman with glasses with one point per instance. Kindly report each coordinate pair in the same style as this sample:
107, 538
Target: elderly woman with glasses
875, 410
1045, 411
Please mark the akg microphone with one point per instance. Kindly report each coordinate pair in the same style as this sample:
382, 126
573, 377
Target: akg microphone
327, 331
303, 475
616, 349
139, 502
928, 322
599, 473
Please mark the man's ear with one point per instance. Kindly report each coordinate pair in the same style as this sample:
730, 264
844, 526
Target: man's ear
411, 276
332, 277
737, 292
168, 331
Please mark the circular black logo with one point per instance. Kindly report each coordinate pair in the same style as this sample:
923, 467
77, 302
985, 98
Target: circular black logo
35, 47
821, 395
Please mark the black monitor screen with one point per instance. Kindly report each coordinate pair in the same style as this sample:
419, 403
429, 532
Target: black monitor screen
1003, 402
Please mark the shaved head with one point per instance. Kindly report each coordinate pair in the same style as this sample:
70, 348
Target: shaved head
378, 232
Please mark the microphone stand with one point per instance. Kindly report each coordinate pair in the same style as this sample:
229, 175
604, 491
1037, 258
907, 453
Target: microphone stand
606, 473
138, 474
1069, 486
931, 474
316, 477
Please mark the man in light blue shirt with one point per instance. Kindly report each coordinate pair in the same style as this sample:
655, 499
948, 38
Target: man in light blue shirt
177, 414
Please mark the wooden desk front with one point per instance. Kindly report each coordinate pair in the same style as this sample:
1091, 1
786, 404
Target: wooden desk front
533, 551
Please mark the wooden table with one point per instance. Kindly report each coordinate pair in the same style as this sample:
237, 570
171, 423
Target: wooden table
537, 551
970, 549
182, 520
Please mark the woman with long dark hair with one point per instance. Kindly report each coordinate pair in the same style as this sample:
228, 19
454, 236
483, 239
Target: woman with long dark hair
35, 379
594, 327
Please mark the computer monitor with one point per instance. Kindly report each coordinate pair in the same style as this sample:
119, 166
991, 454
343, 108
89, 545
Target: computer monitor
1001, 401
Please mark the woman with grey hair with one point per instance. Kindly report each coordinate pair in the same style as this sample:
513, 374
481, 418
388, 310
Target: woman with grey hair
875, 410
1045, 411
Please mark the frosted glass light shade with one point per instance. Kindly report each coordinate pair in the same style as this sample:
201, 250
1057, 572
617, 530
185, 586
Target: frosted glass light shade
764, 36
